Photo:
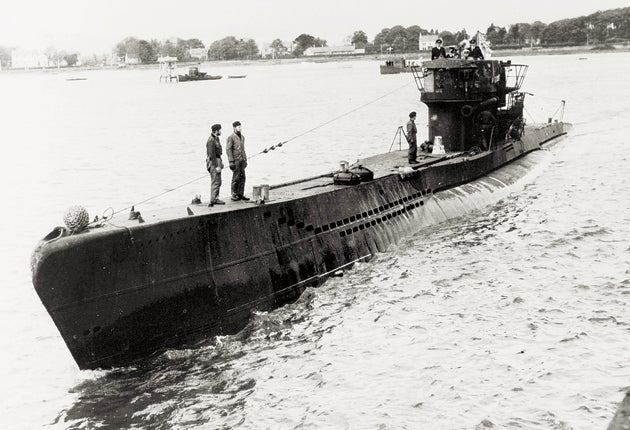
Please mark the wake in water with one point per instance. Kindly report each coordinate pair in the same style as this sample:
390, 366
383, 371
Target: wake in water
513, 316
471, 316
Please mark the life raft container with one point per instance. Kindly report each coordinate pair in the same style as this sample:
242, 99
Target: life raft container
346, 178
365, 173
353, 176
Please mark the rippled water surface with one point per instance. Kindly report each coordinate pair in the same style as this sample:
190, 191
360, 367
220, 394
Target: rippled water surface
515, 316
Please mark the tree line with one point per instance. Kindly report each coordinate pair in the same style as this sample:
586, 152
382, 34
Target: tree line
611, 26
148, 51
55, 57
602, 27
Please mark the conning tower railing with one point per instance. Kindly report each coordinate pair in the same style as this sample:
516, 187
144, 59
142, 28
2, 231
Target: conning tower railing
471, 103
514, 76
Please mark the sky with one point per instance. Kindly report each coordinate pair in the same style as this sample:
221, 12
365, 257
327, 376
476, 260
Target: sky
95, 27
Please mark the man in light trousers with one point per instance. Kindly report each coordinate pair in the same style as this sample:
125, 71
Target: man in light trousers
235, 148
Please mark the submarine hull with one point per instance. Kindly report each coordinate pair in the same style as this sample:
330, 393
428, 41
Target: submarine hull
119, 294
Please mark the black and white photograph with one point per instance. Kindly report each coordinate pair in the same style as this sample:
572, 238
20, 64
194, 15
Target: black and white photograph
334, 215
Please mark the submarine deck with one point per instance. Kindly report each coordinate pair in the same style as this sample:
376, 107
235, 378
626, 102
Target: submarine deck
381, 165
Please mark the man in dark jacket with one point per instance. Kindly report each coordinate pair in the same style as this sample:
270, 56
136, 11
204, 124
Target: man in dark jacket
485, 126
438, 50
214, 164
475, 51
235, 148
412, 139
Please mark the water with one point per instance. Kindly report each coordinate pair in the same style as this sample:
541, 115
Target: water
515, 316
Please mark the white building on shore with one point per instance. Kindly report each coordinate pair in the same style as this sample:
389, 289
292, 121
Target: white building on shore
200, 54
29, 59
132, 59
425, 43
268, 52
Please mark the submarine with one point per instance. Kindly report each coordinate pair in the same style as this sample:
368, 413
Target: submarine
122, 290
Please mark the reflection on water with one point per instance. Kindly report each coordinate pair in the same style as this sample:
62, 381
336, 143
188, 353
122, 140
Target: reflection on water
514, 315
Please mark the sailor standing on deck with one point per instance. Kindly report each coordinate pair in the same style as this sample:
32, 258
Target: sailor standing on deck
235, 149
214, 164
412, 138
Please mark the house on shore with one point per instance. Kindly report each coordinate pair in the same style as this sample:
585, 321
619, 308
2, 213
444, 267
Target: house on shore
131, 59
425, 43
201, 54
26, 59
284, 50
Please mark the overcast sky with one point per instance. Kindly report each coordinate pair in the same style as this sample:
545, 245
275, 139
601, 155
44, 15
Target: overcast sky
95, 27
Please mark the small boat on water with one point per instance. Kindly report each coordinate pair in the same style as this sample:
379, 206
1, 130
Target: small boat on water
121, 290
195, 75
397, 65
236, 76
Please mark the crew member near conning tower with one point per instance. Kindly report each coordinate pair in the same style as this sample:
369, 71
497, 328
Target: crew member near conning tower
214, 164
235, 149
485, 128
475, 52
412, 138
438, 50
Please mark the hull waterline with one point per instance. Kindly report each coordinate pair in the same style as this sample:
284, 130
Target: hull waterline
119, 294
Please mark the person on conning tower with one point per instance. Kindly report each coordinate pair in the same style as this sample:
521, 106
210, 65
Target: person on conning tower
438, 50
475, 52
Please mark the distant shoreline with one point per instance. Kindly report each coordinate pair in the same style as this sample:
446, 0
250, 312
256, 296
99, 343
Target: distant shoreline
565, 50
498, 53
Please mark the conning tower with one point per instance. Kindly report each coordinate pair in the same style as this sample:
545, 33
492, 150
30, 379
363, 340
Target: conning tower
457, 91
